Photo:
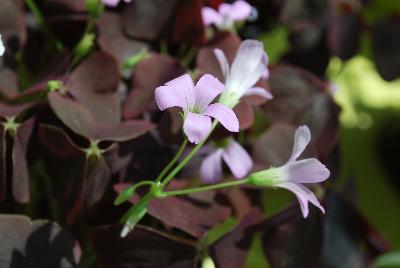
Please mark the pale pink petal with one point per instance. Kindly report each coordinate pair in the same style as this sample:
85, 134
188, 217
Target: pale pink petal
167, 97
247, 67
224, 115
302, 138
207, 88
211, 167
309, 170
196, 127
304, 195
240, 10
237, 159
210, 16
111, 3
185, 88
223, 62
260, 92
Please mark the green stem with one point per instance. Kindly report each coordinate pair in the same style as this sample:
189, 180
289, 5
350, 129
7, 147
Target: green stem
41, 21
203, 189
173, 161
188, 157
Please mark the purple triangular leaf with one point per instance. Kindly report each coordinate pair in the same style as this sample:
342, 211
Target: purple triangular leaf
20, 173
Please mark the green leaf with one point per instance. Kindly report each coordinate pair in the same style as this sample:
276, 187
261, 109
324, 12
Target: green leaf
391, 259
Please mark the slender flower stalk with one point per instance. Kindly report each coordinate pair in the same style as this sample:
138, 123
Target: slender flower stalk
249, 65
226, 15
195, 102
233, 154
295, 173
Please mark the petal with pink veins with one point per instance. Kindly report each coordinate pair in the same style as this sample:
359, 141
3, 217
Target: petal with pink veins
196, 127
207, 88
224, 115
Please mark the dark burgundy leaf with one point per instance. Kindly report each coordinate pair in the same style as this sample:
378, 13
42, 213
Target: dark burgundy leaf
75, 116
150, 73
344, 30
94, 84
274, 146
302, 99
69, 6
187, 25
20, 176
12, 110
81, 121
123, 131
245, 115
291, 241
142, 19
8, 83
143, 247
55, 140
96, 182
386, 41
193, 214
239, 200
66, 167
112, 39
3, 183
189, 214
231, 249
206, 60
35, 244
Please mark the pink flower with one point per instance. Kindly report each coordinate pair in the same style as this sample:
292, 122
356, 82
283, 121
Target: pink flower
195, 102
227, 14
295, 173
114, 3
249, 65
237, 159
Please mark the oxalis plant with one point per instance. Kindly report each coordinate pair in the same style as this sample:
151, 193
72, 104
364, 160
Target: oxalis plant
200, 118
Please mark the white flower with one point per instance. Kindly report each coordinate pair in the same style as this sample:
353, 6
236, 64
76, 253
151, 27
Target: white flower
249, 65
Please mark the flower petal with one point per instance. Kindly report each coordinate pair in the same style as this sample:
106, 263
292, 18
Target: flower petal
2, 49
207, 88
224, 115
240, 10
302, 138
304, 195
260, 92
210, 16
110, 3
167, 97
237, 159
185, 88
309, 170
196, 127
223, 62
247, 67
211, 167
